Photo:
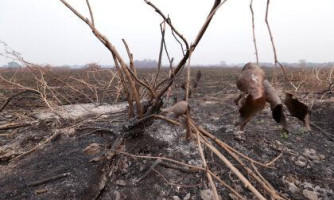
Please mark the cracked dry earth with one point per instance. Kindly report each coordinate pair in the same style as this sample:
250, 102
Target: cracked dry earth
60, 169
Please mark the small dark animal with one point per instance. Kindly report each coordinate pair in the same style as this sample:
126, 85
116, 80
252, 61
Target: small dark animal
298, 109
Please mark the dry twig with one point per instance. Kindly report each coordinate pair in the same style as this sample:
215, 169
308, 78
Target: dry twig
117, 58
155, 163
212, 184
163, 30
328, 135
243, 179
36, 147
253, 30
52, 178
15, 125
14, 96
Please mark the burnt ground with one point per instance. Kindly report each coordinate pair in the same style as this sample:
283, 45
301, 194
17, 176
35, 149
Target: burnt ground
60, 169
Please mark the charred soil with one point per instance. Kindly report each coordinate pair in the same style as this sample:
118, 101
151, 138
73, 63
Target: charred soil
59, 169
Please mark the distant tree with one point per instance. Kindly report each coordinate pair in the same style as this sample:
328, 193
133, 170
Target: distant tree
146, 63
302, 63
223, 63
93, 66
13, 64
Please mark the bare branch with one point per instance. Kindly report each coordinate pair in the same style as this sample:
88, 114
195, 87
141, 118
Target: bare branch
14, 96
77, 13
158, 117
115, 54
272, 42
253, 29
132, 67
272, 192
168, 22
125, 88
200, 34
142, 83
170, 60
213, 11
163, 30
205, 166
36, 147
178, 42
243, 179
37, 91
91, 13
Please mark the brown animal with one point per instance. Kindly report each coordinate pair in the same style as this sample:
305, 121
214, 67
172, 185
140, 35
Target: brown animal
253, 100
275, 104
178, 109
249, 108
257, 91
251, 81
298, 109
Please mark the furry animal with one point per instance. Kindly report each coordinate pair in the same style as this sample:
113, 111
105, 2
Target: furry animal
178, 109
253, 100
251, 81
275, 104
298, 109
256, 91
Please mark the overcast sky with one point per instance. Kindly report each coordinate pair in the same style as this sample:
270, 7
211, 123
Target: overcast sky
46, 32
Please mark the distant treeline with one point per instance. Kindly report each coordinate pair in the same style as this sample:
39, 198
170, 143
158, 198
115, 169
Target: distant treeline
149, 63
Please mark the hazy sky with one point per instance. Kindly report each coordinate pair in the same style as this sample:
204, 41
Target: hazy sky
46, 32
